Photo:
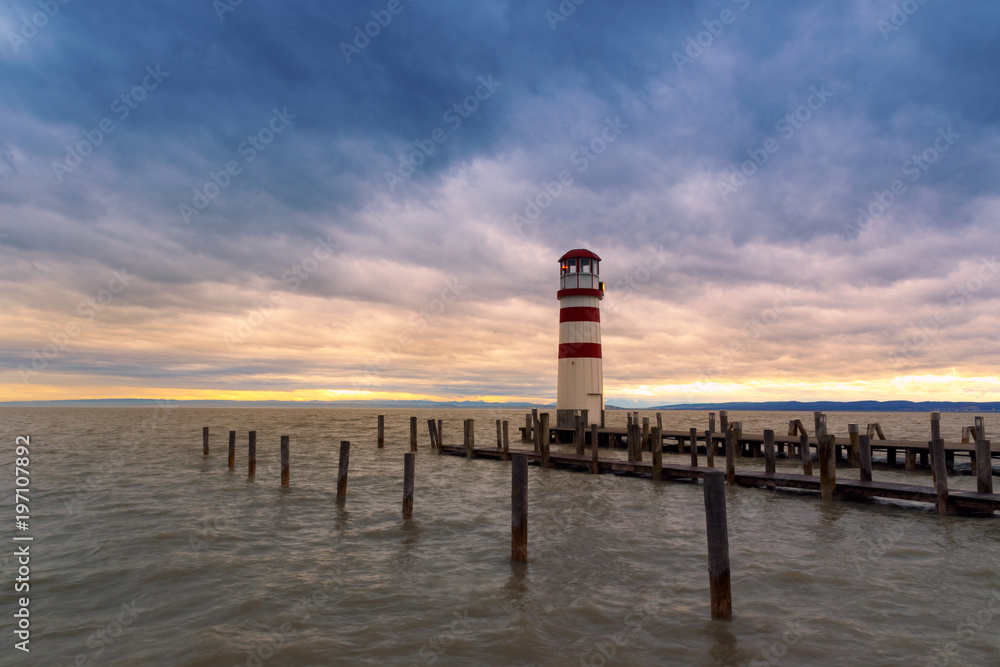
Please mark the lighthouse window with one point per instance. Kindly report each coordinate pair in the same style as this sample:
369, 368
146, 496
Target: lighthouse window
585, 265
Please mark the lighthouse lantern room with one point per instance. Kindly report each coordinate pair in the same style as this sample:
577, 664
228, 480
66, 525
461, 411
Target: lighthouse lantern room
581, 378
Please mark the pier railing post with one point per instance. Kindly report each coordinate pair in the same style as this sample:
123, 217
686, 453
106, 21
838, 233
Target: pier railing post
519, 509
593, 450
730, 457
345, 456
232, 449
693, 435
252, 455
204, 441
807, 465
718, 546
409, 461
853, 432
865, 456
284, 460
413, 434
769, 454
826, 449
657, 455
381, 431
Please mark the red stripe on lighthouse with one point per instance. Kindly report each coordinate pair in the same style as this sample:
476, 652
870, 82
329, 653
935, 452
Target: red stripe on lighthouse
579, 350
579, 314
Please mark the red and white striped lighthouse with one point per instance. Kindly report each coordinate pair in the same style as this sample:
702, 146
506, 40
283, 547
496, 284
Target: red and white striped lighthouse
581, 376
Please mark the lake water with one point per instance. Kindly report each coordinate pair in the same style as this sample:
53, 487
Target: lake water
146, 553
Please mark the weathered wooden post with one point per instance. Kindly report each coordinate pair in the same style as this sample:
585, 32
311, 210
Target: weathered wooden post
657, 456
710, 448
543, 430
711, 422
724, 420
204, 440
470, 438
232, 449
499, 434
807, 464
730, 457
940, 475
506, 441
381, 431
659, 421
737, 435
645, 435
580, 435
536, 428
593, 450
431, 433
284, 460
528, 437
909, 459
853, 432
718, 545
439, 431
345, 455
984, 463
865, 456
519, 509
252, 455
413, 434
769, 451
693, 433
791, 428
827, 466
409, 460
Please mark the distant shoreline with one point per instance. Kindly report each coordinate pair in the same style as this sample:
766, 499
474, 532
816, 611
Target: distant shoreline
760, 406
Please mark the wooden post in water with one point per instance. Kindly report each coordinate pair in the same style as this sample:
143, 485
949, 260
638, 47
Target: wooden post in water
853, 432
646, 444
381, 431
909, 459
413, 434
409, 460
536, 429
807, 464
519, 509
284, 460
737, 434
769, 452
865, 457
528, 437
730, 457
499, 434
232, 449
718, 545
940, 475
439, 431
431, 433
935, 426
593, 450
791, 427
711, 422
345, 455
984, 469
543, 429
204, 441
659, 421
580, 435
252, 456
724, 420
710, 449
693, 433
827, 466
506, 441
657, 454
470, 438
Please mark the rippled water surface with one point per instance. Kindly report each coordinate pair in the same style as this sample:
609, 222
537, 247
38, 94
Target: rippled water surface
213, 570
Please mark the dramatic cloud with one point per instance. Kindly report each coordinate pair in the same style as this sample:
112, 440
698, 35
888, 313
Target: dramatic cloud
248, 199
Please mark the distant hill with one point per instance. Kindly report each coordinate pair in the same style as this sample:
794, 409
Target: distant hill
840, 406
148, 402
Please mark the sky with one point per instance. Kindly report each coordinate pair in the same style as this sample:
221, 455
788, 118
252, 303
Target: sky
322, 201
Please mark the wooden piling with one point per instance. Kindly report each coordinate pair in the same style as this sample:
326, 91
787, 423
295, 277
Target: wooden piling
204, 441
718, 545
791, 427
638, 436
909, 459
827, 466
730, 457
593, 450
737, 434
807, 465
345, 455
646, 444
543, 430
769, 452
580, 435
413, 434
659, 421
232, 449
431, 433
536, 429
693, 433
527, 428
506, 441
284, 460
439, 432
865, 457
940, 475
853, 433
499, 434
935, 426
890, 456
519, 509
984, 467
711, 422
470, 438
409, 461
252, 455
381, 431
710, 449
724, 420
657, 455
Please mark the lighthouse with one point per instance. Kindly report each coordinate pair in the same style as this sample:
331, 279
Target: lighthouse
581, 376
